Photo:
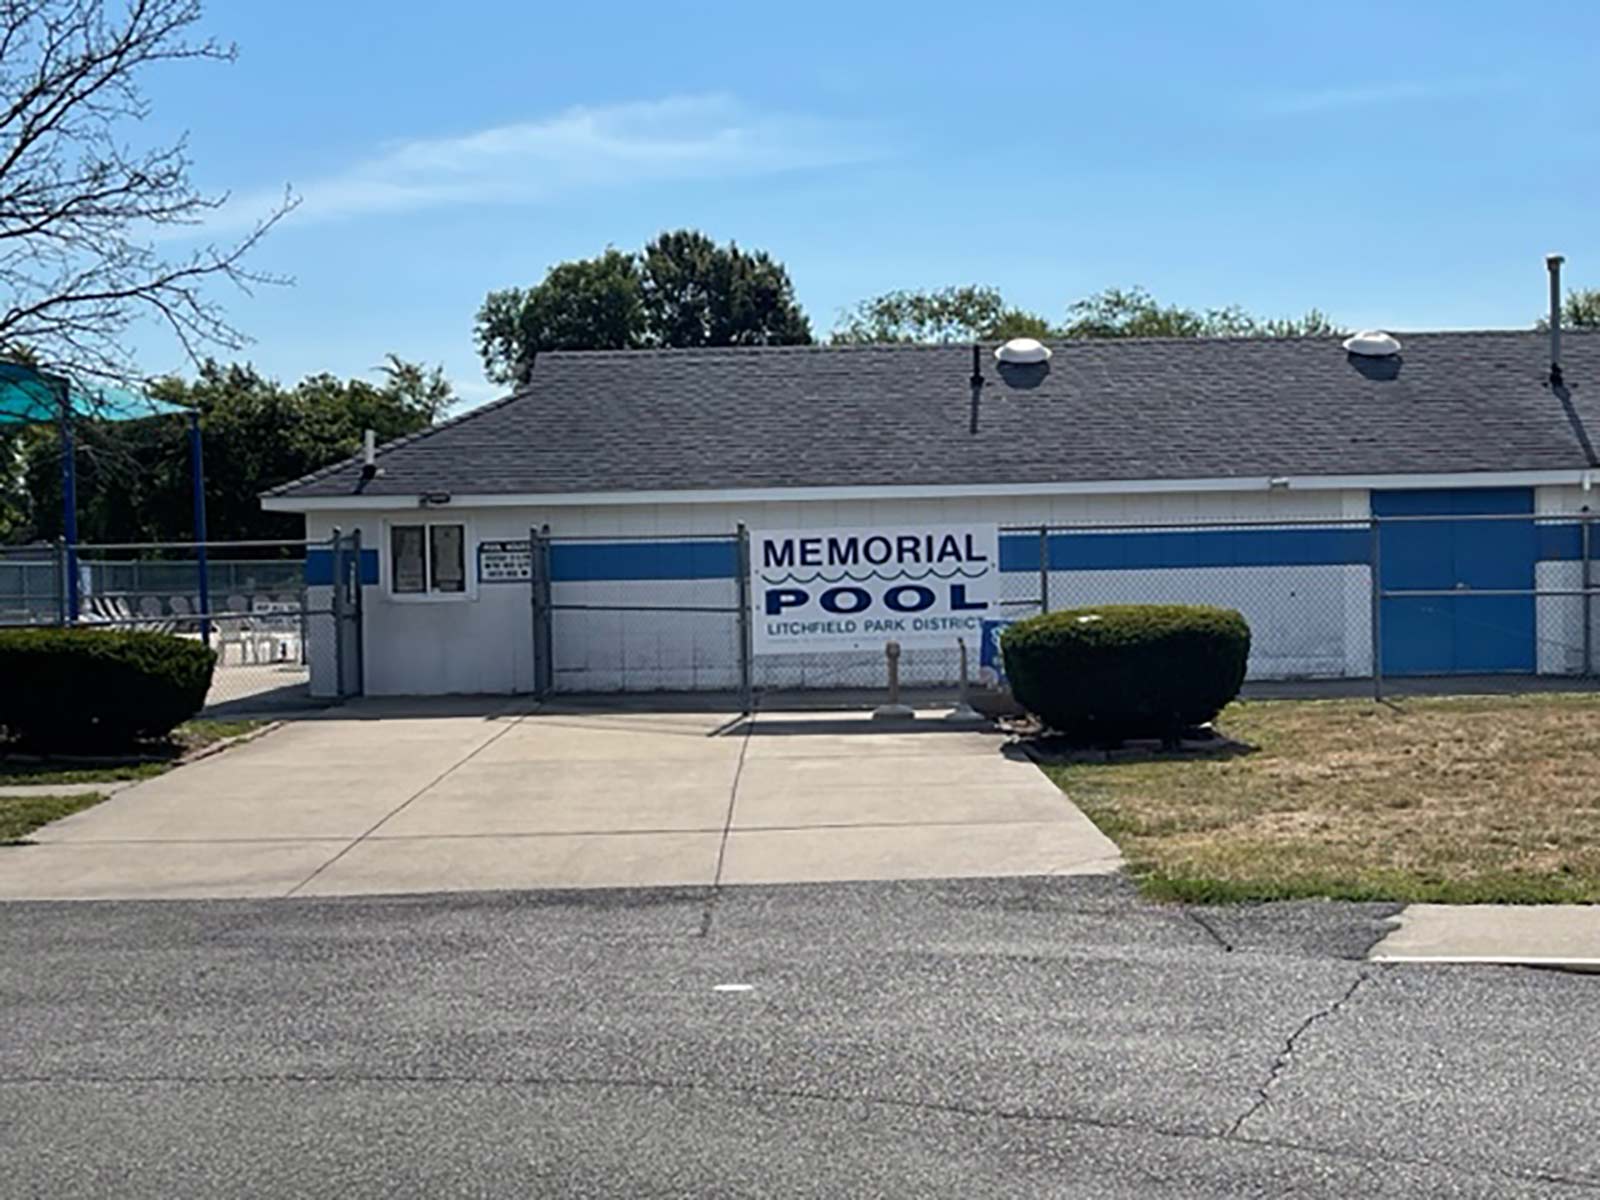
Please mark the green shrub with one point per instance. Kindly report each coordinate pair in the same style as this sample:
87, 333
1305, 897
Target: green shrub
72, 689
1103, 674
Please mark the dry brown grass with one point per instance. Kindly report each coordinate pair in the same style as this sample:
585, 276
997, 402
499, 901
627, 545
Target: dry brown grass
1469, 799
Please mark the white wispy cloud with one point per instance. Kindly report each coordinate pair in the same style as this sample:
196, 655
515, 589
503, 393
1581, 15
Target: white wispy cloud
1371, 95
680, 137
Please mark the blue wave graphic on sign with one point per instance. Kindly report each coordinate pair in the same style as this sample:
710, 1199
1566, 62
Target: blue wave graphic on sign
931, 572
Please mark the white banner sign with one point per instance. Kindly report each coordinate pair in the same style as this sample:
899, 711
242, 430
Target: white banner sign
855, 589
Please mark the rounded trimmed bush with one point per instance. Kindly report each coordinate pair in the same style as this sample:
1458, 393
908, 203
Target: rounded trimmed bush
71, 689
1117, 671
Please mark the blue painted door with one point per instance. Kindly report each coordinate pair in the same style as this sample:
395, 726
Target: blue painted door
1459, 634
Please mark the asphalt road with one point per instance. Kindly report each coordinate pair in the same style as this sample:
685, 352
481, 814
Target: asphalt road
983, 1038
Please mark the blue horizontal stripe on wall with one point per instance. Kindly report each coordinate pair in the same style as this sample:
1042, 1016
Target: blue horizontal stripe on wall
319, 567
1135, 551
596, 562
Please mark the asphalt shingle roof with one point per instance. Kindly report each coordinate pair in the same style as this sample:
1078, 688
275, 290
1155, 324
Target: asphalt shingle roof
620, 421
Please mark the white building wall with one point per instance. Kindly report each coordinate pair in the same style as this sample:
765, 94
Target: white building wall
479, 643
1307, 621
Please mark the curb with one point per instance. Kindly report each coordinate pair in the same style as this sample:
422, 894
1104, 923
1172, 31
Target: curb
1576, 966
218, 747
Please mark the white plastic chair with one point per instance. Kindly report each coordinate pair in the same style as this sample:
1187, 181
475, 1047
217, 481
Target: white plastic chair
152, 615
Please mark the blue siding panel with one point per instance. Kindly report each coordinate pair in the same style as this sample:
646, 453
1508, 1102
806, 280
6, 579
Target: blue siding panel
1443, 635
1125, 550
319, 567
595, 562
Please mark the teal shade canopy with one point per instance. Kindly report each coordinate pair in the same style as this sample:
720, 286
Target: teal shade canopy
31, 397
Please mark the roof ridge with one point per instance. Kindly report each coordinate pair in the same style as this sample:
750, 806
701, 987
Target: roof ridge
1053, 341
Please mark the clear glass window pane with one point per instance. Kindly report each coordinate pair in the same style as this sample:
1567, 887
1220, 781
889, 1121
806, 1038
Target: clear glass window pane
449, 558
406, 568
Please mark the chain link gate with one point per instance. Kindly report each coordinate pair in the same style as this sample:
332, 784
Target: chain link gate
348, 637
635, 614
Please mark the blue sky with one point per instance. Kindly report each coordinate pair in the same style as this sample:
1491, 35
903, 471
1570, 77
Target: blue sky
1401, 166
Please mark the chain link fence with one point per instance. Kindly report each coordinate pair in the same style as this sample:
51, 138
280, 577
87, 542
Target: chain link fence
672, 613
1436, 595
272, 610
1303, 587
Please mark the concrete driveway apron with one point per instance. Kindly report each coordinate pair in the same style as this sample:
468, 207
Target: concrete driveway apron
829, 797
407, 797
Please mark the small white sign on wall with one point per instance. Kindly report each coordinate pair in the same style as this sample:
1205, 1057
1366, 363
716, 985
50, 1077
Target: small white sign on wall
505, 562
855, 589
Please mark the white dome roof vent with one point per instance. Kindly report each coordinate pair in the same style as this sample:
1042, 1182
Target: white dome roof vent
1023, 350
1372, 343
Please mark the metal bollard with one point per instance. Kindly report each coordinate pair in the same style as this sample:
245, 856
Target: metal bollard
893, 710
963, 711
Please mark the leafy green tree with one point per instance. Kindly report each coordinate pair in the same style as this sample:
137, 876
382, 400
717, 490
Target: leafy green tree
133, 476
1580, 310
1315, 323
1130, 312
588, 304
1134, 312
953, 314
697, 293
682, 290
980, 314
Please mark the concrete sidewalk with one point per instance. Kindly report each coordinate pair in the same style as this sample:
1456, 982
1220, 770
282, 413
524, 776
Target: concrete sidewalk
1549, 935
411, 797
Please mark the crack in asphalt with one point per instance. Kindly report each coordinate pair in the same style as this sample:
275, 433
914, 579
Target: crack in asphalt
709, 910
801, 1095
1281, 1063
1211, 931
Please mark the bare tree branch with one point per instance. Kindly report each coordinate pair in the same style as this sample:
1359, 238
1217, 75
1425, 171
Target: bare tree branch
81, 212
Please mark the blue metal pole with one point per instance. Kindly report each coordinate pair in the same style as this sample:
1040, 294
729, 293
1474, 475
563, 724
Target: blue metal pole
69, 506
197, 472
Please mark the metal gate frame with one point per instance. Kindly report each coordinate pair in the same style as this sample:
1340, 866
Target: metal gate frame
544, 606
349, 640
1586, 589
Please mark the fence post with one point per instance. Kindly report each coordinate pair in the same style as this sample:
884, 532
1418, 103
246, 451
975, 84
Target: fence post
357, 631
533, 612
305, 611
338, 612
539, 597
69, 513
1377, 610
61, 581
1588, 607
1044, 568
198, 497
746, 654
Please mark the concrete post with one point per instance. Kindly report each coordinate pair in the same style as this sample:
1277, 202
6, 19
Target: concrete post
893, 710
